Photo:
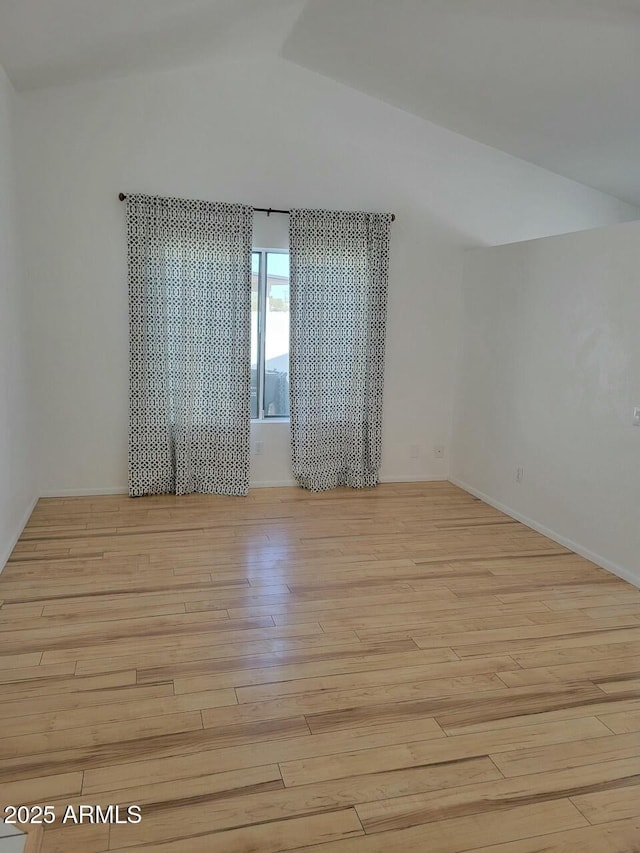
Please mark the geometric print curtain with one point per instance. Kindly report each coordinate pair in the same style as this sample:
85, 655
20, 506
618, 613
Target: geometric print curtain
339, 264
189, 320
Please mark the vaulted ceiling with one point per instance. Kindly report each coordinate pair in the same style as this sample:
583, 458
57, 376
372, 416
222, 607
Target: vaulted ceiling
53, 42
555, 82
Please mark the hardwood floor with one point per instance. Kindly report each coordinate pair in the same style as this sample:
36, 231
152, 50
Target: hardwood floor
400, 669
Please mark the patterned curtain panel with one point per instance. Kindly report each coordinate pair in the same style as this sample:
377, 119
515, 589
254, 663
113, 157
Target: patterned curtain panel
338, 272
189, 320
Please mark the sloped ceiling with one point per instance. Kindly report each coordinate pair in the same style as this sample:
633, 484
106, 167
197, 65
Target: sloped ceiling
555, 82
54, 42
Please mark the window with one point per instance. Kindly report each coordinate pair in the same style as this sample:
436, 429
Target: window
269, 334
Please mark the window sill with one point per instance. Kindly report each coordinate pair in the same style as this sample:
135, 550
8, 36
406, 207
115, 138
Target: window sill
273, 420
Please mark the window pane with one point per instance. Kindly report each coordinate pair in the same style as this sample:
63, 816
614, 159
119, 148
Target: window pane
255, 279
276, 375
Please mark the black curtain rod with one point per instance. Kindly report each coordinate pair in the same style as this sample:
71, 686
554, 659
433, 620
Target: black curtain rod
267, 210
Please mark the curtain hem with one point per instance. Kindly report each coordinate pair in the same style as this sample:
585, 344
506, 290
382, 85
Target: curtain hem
240, 492
324, 480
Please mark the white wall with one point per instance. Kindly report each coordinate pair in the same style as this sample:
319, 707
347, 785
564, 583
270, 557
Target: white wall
269, 134
17, 489
549, 377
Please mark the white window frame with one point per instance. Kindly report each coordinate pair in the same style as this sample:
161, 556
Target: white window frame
262, 325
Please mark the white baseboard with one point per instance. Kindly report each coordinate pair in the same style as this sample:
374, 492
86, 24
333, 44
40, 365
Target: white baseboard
6, 553
123, 490
598, 559
259, 484
420, 478
272, 484
78, 493
269, 484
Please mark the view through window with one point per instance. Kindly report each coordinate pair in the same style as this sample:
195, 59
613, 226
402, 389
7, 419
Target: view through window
269, 334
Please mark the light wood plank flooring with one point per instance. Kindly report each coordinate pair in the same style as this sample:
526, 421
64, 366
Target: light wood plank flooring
398, 669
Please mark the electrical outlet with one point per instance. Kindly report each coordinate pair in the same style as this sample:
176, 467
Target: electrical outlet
259, 448
636, 416
438, 451
519, 474
414, 451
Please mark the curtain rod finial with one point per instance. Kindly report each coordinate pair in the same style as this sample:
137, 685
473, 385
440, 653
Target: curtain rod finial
121, 196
